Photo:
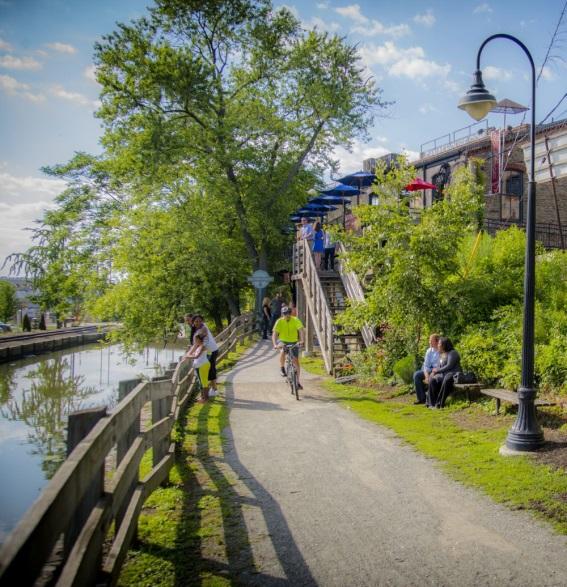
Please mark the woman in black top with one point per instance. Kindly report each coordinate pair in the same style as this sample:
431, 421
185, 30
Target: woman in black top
266, 317
441, 381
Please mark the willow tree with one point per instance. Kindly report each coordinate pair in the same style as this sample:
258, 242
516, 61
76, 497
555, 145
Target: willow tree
237, 97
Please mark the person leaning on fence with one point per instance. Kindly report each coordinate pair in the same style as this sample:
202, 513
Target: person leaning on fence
201, 364
306, 232
421, 376
212, 348
441, 381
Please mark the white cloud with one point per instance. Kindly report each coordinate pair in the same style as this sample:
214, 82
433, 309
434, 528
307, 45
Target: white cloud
322, 5
90, 73
321, 25
483, 8
13, 87
61, 48
427, 108
411, 155
377, 28
417, 68
427, 19
351, 161
60, 92
491, 72
17, 189
5, 46
353, 12
9, 62
547, 74
453, 87
23, 199
410, 62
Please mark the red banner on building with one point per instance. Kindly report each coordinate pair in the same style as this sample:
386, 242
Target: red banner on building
495, 143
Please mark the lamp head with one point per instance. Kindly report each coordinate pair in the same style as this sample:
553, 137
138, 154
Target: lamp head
478, 101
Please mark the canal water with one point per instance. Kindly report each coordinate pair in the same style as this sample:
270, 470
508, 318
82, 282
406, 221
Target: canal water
36, 396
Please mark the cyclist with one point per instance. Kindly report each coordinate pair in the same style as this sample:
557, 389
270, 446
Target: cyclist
289, 330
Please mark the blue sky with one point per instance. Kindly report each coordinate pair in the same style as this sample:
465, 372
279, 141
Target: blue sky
421, 53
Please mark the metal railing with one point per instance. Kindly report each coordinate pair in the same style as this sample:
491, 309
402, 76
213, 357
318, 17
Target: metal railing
461, 136
552, 236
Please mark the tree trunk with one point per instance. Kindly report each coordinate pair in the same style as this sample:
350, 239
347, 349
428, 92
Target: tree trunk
233, 305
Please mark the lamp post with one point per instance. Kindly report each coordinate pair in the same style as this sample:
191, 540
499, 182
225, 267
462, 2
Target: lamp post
525, 434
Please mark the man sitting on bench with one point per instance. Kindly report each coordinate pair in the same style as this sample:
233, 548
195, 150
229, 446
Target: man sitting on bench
421, 377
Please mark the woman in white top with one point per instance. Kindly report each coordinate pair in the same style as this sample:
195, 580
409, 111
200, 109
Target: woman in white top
201, 364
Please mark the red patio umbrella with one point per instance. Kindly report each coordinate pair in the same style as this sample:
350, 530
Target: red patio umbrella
419, 184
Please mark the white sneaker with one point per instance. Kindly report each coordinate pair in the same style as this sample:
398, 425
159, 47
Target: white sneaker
213, 392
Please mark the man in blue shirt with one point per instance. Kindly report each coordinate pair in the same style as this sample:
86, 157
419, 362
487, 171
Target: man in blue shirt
430, 361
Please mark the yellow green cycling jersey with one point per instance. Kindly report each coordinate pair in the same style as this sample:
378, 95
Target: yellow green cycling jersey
288, 330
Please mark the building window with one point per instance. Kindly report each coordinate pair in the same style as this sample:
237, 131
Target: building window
511, 200
373, 200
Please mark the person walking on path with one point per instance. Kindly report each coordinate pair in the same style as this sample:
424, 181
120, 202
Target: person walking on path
276, 309
212, 348
266, 318
421, 376
289, 330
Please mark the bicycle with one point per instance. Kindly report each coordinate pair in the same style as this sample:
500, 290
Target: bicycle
290, 370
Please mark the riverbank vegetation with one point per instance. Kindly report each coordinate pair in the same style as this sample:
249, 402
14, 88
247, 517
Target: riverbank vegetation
218, 118
440, 273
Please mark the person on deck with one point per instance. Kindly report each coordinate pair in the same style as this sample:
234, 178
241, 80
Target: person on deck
329, 252
421, 376
318, 244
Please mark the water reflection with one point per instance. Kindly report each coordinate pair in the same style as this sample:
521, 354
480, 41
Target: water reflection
54, 392
37, 394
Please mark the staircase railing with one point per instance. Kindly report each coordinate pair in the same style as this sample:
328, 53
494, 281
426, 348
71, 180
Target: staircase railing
322, 319
354, 290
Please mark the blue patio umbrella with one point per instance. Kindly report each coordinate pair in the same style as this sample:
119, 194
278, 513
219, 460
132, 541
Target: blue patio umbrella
343, 191
360, 179
329, 200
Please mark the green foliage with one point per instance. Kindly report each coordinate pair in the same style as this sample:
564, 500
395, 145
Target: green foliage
8, 301
218, 117
405, 368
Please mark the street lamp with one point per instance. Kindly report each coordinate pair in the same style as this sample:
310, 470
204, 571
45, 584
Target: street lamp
525, 434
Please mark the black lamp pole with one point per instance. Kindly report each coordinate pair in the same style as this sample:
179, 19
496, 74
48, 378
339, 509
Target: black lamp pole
525, 434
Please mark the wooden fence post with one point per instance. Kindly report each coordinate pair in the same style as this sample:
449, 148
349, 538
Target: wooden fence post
79, 425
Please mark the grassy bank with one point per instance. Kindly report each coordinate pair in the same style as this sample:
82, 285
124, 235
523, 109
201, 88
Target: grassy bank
192, 531
465, 440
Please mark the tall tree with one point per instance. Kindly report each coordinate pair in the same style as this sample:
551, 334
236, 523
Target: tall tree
236, 96
8, 302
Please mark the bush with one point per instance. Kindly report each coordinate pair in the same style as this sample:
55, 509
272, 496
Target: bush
26, 323
404, 369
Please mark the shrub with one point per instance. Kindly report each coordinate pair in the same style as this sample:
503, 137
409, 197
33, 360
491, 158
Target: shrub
404, 369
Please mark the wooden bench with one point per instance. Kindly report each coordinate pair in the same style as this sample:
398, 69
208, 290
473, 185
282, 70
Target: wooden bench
467, 388
506, 395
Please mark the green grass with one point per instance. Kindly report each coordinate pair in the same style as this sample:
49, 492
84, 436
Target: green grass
469, 453
192, 531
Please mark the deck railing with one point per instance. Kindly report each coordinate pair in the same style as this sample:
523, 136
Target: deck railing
354, 290
66, 538
304, 267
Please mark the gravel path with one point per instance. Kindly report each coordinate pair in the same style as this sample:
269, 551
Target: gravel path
329, 499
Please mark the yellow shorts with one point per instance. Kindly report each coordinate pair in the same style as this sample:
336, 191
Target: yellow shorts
203, 374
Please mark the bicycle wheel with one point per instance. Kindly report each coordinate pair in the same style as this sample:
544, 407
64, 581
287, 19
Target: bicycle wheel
294, 388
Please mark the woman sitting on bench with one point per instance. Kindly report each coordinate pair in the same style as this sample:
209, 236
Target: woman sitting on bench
441, 380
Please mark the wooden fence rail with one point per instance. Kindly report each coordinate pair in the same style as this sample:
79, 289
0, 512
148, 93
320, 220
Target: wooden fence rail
65, 538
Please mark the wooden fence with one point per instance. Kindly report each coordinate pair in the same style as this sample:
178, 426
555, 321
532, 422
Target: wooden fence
79, 529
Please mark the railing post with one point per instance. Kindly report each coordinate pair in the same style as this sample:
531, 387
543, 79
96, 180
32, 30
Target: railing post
79, 425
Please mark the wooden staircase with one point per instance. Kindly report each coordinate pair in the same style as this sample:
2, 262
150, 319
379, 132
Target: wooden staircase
320, 295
